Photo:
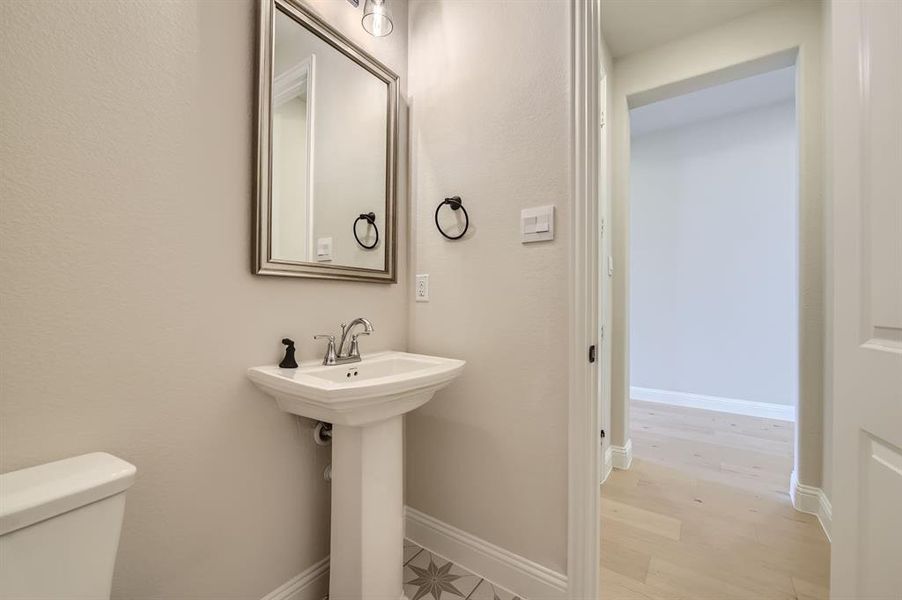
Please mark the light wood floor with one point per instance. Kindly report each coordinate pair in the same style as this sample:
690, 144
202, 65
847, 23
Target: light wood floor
704, 513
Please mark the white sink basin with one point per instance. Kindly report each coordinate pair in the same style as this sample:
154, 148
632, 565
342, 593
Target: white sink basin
382, 385
365, 403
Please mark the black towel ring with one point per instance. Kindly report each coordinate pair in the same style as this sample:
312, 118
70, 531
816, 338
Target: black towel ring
456, 204
370, 218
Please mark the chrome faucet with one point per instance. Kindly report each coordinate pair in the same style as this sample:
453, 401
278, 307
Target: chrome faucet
337, 356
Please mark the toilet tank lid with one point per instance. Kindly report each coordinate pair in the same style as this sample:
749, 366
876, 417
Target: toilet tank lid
44, 491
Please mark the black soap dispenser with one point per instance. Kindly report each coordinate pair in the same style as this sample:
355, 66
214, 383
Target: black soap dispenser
288, 362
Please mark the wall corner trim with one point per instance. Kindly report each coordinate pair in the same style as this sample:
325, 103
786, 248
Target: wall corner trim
812, 500
622, 456
782, 412
503, 567
310, 584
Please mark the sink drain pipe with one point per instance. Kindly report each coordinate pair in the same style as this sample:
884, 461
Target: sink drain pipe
322, 433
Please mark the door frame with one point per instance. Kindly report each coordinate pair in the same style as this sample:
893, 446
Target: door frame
583, 527
636, 99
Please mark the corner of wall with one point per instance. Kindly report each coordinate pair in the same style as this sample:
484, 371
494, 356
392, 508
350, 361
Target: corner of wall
812, 500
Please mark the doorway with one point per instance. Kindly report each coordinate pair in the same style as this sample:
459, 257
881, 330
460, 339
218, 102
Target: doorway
714, 280
714, 355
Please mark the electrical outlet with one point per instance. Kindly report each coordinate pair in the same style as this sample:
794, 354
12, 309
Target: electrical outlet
421, 291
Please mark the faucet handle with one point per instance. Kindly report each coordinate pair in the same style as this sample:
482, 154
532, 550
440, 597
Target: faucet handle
330, 351
355, 347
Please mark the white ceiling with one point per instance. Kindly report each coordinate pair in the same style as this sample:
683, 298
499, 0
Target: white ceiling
719, 100
633, 25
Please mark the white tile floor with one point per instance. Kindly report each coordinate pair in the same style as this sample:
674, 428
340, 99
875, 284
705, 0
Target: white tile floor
428, 576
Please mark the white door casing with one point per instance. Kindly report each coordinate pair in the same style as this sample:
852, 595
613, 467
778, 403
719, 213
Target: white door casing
583, 539
866, 164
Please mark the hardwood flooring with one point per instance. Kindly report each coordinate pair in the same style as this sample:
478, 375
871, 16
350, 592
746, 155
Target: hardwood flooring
704, 513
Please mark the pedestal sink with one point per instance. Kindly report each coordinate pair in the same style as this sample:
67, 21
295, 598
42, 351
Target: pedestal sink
365, 402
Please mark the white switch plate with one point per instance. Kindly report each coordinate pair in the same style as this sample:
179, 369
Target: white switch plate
324, 249
421, 291
537, 224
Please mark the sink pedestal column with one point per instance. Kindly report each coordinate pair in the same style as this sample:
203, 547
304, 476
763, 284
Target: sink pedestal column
367, 512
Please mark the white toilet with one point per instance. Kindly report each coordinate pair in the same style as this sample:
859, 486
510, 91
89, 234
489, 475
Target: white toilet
59, 528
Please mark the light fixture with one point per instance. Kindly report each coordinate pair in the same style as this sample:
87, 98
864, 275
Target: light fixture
377, 18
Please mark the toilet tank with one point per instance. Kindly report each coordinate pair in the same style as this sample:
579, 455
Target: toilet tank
59, 528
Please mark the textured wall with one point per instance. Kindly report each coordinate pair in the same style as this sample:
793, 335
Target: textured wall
490, 121
129, 313
713, 243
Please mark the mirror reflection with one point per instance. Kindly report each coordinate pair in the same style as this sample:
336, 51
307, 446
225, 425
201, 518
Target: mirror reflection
331, 153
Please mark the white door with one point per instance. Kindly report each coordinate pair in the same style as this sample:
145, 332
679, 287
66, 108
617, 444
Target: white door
866, 165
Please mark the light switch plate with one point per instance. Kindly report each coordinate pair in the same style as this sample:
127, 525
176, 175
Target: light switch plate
324, 249
421, 290
537, 224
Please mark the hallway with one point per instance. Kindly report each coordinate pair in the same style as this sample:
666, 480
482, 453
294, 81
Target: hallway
704, 512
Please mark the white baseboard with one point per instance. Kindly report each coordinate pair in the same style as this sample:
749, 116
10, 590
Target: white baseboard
783, 412
607, 463
812, 500
311, 584
516, 573
622, 456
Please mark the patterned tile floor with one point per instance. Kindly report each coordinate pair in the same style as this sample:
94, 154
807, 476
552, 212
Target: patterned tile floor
428, 576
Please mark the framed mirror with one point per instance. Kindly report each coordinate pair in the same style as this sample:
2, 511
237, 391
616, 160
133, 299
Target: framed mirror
327, 139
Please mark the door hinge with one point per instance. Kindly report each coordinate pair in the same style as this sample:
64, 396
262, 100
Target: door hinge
602, 434
602, 332
592, 353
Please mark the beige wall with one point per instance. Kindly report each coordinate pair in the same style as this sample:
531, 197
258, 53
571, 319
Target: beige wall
129, 314
490, 121
736, 46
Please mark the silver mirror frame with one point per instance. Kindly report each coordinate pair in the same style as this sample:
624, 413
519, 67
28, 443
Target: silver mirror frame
263, 262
